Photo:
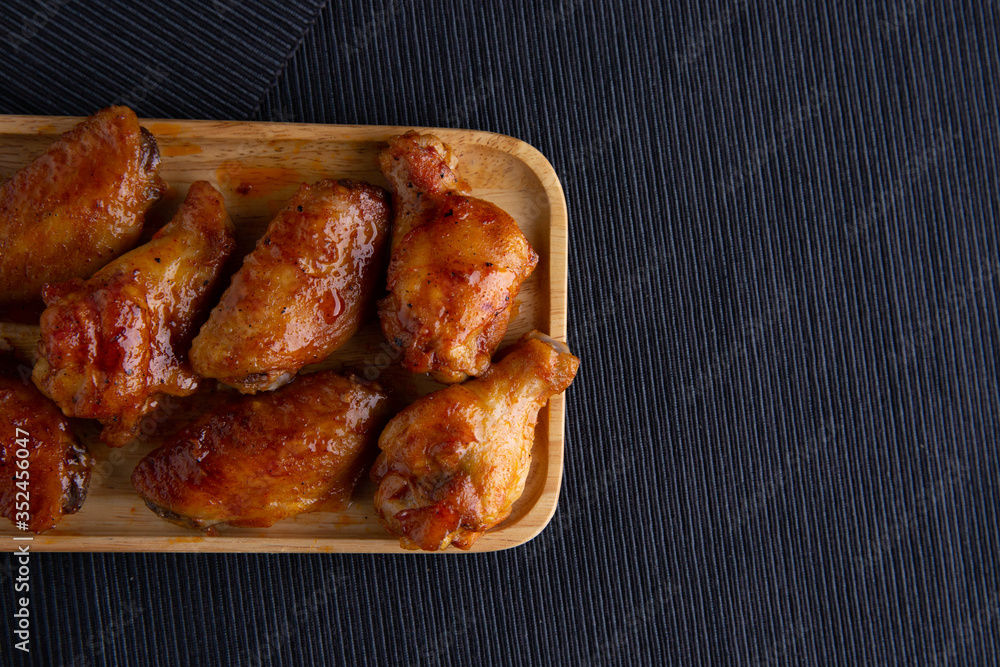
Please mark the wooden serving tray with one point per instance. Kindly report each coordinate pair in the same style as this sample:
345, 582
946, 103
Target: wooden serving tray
257, 167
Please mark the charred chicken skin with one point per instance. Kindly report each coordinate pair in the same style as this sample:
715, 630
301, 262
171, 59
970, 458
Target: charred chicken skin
44, 471
454, 462
457, 263
112, 345
267, 457
302, 292
77, 206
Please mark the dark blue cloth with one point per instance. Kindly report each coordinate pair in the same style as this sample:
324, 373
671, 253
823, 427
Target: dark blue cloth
784, 277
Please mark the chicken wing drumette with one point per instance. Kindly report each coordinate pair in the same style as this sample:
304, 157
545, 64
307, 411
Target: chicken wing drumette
457, 263
454, 462
267, 457
111, 346
51, 479
77, 206
302, 292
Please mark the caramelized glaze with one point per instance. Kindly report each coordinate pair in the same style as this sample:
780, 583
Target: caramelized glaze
457, 264
302, 292
112, 345
77, 206
267, 457
454, 462
58, 472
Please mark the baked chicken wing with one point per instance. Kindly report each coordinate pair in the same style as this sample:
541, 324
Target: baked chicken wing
44, 471
112, 345
454, 462
79, 205
267, 457
457, 263
302, 292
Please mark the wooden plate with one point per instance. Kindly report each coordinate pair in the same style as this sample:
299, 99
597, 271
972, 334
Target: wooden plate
257, 167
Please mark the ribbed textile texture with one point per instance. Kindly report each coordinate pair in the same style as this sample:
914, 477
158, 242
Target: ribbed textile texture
169, 59
784, 276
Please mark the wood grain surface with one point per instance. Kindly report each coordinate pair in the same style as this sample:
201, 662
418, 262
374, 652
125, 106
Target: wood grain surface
257, 167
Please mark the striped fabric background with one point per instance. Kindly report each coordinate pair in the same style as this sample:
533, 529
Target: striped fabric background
784, 279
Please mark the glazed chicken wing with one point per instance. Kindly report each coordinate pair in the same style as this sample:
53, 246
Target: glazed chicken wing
457, 263
302, 292
51, 480
112, 345
267, 457
79, 205
454, 462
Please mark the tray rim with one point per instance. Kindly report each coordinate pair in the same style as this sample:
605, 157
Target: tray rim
537, 517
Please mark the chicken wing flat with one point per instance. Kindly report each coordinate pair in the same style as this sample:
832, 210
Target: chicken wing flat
457, 263
44, 471
267, 457
454, 462
79, 205
302, 292
112, 345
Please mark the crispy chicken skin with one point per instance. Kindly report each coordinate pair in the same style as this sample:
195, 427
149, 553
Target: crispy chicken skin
457, 263
454, 462
79, 205
267, 457
302, 292
57, 475
112, 345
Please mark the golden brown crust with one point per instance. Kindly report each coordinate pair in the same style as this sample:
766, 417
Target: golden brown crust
112, 345
57, 476
302, 292
454, 462
266, 457
457, 264
77, 206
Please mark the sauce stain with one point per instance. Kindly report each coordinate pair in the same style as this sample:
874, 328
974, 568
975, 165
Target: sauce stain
255, 181
164, 129
288, 145
174, 150
274, 206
